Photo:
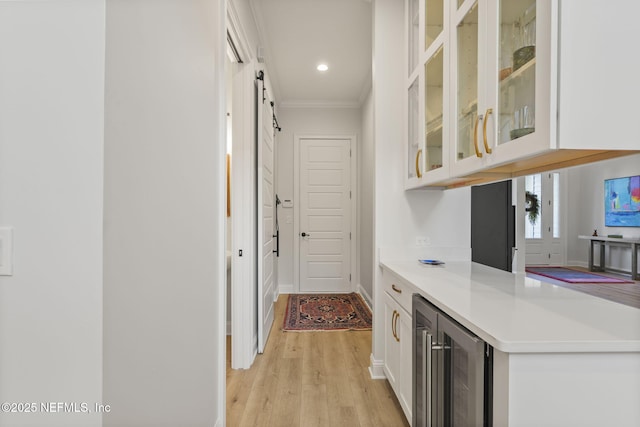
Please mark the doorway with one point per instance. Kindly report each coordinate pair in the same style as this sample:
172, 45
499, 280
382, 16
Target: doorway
323, 236
543, 229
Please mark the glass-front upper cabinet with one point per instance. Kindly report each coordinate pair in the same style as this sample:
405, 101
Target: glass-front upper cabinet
427, 81
501, 63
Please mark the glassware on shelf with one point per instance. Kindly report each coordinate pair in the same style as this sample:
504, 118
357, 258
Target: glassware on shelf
525, 46
517, 69
523, 122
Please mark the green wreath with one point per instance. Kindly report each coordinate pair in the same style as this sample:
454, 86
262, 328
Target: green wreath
532, 206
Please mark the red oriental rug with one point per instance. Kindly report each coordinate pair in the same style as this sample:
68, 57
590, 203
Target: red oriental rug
326, 312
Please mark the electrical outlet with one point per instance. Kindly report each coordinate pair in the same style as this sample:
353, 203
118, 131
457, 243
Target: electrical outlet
422, 241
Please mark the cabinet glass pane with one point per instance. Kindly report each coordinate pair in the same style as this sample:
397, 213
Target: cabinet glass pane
517, 69
413, 28
434, 18
467, 102
433, 111
414, 132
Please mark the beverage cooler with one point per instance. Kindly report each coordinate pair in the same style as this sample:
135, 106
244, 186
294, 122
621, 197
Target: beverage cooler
452, 371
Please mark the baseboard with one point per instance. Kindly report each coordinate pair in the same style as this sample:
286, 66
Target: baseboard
286, 289
228, 327
376, 369
367, 298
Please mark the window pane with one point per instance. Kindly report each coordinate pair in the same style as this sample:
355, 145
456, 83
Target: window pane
556, 205
533, 230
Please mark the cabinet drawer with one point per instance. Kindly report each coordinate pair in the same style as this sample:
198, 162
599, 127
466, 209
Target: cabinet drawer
400, 290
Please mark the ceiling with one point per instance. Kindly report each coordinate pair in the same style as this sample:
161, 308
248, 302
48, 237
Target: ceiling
300, 34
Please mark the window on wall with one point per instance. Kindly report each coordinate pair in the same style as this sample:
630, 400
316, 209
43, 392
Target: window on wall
533, 229
556, 205
546, 188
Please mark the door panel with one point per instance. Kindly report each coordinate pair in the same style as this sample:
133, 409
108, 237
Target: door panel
266, 225
325, 215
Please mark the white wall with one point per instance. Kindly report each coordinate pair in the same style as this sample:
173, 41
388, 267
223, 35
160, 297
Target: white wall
164, 271
442, 216
51, 160
586, 209
302, 121
366, 164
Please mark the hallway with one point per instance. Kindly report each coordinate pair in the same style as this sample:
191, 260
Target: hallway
310, 379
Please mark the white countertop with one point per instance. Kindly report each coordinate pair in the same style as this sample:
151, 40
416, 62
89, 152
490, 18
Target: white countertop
516, 314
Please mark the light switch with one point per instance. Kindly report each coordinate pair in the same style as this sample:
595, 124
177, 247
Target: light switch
6, 251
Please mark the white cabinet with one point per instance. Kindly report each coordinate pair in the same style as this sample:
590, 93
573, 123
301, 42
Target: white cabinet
525, 88
397, 340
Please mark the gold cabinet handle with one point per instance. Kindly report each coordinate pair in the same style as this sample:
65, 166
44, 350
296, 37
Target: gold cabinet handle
396, 289
418, 173
484, 130
475, 137
395, 328
393, 325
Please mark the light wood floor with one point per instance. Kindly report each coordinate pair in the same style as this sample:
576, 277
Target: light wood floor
622, 293
311, 379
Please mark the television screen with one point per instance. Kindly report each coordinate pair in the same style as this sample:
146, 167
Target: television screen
622, 202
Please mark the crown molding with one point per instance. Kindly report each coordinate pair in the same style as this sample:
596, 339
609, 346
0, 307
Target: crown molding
298, 103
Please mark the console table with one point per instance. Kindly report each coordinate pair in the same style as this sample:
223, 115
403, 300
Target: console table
603, 242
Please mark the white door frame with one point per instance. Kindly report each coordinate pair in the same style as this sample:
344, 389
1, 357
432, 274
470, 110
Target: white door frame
549, 241
244, 343
354, 205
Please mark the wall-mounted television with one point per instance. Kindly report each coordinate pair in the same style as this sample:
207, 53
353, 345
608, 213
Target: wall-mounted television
622, 202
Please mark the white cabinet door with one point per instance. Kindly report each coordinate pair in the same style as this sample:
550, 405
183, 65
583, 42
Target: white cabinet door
520, 105
468, 45
398, 352
427, 89
405, 386
391, 343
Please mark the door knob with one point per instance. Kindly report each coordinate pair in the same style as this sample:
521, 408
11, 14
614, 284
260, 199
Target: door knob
303, 234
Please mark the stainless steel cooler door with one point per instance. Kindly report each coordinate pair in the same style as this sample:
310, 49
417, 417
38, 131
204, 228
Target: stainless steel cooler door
461, 370
425, 318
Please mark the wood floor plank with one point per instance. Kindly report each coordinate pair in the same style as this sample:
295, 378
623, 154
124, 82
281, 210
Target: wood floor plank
286, 410
311, 379
314, 367
314, 409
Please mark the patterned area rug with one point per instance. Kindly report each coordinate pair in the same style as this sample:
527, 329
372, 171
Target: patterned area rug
572, 276
326, 312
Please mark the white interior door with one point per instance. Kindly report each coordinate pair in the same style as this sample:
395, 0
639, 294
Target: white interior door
543, 238
266, 225
325, 215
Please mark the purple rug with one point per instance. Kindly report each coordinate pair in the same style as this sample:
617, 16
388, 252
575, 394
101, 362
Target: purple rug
573, 276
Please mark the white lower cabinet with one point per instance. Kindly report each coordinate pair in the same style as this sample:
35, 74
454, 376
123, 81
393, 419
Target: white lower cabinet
397, 344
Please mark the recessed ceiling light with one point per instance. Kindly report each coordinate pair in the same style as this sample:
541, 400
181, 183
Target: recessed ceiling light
323, 67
